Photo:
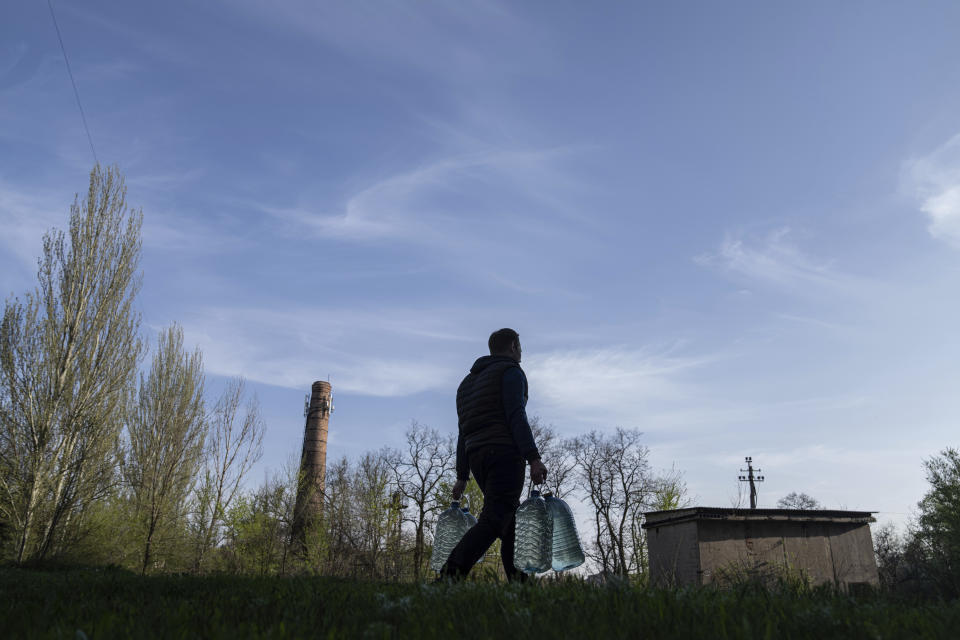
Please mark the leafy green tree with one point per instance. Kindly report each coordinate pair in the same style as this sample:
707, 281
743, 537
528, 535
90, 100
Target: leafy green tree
166, 430
335, 537
472, 497
112, 536
889, 551
257, 529
670, 491
372, 508
937, 533
68, 354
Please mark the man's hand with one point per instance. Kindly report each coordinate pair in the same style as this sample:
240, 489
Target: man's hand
458, 488
538, 472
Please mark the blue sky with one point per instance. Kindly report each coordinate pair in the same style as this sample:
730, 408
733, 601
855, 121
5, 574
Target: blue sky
734, 226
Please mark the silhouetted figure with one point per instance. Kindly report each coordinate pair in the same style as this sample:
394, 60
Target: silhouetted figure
495, 443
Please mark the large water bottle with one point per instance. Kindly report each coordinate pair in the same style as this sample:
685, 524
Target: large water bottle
534, 539
567, 550
451, 525
472, 521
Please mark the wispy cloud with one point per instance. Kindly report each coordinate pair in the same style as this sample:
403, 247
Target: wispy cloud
710, 413
934, 180
398, 352
816, 322
610, 385
156, 44
25, 216
25, 61
376, 353
774, 261
167, 231
381, 210
475, 214
417, 205
214, 229
459, 41
153, 182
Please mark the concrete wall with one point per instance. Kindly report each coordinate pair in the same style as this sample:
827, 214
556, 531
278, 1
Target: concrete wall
674, 554
851, 547
735, 546
701, 550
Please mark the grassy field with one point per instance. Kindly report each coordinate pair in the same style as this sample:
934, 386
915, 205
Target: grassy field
115, 604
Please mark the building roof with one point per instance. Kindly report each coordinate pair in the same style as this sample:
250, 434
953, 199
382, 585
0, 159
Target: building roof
674, 516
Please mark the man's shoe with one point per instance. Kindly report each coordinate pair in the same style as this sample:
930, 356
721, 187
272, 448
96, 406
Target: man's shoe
449, 574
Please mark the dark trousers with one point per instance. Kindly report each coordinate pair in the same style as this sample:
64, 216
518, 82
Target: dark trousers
500, 473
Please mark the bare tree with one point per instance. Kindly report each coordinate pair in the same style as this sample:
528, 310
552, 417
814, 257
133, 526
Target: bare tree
232, 449
740, 500
166, 431
68, 353
557, 456
418, 470
794, 500
614, 474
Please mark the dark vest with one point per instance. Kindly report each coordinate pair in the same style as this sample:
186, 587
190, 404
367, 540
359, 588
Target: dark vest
480, 404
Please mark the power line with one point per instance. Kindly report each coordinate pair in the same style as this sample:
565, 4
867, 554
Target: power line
73, 82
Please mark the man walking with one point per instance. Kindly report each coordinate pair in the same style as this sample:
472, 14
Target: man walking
495, 444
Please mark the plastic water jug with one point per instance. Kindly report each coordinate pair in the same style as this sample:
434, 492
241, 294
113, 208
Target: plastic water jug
451, 525
567, 550
472, 521
534, 539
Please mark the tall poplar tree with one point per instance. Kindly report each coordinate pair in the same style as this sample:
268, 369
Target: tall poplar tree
68, 354
166, 430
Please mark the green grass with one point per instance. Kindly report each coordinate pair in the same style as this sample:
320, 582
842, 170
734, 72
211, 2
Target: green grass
115, 604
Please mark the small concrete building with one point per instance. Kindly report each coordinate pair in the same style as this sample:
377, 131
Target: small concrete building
698, 545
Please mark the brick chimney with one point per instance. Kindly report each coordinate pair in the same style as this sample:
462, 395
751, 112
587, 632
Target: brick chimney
313, 461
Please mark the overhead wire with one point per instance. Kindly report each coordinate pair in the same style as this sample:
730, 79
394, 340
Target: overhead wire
73, 82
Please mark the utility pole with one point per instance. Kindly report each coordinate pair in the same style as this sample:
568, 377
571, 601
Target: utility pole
752, 479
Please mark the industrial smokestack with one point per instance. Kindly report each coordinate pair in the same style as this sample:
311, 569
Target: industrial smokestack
313, 461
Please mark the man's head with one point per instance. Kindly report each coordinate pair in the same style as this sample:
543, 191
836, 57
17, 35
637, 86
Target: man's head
505, 342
